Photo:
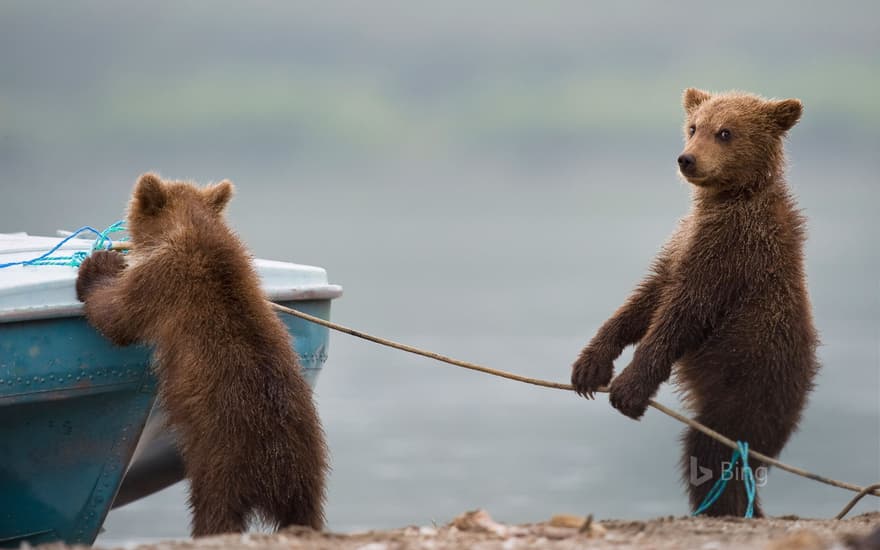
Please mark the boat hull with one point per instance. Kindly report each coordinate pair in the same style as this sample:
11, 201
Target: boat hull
72, 410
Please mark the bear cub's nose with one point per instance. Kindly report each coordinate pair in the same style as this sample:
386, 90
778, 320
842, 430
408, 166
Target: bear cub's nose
686, 162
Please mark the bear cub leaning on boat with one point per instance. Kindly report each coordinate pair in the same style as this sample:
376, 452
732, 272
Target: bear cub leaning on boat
229, 378
726, 299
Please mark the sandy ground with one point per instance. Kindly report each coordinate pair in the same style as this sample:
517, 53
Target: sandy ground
479, 531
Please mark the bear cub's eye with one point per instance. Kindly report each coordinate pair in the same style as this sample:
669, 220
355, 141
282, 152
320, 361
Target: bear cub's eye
692, 130
724, 135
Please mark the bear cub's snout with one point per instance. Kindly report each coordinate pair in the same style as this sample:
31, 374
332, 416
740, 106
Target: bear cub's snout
687, 164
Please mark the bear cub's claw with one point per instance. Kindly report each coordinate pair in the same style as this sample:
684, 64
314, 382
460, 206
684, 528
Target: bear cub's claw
592, 370
100, 264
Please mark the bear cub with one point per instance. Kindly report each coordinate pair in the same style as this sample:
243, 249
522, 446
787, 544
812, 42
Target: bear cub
244, 417
726, 300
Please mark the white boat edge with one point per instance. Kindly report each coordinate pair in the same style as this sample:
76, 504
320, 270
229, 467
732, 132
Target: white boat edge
39, 292
328, 292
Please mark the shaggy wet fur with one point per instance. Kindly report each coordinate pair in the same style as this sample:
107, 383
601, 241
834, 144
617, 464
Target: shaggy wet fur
726, 300
245, 421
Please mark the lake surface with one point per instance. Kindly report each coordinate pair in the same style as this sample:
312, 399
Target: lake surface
512, 264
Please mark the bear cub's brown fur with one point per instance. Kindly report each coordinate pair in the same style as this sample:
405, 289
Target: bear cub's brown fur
244, 417
726, 301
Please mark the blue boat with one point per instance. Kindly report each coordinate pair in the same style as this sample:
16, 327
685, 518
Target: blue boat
73, 407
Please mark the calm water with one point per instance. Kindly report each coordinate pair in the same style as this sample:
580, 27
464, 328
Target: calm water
513, 265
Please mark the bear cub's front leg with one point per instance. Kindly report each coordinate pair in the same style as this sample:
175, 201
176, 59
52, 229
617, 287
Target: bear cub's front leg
98, 270
594, 366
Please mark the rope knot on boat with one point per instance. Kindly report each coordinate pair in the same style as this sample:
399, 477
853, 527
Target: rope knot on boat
102, 242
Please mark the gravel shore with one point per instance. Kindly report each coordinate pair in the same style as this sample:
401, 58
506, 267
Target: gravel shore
479, 531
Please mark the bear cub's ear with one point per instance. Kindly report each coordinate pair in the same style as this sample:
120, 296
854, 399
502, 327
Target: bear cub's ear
693, 98
218, 195
785, 113
149, 194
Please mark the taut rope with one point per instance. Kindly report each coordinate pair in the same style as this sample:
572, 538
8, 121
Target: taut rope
862, 491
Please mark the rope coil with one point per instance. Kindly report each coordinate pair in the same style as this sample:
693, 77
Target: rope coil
741, 452
102, 242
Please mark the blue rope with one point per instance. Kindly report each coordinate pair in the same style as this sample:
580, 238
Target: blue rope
740, 453
102, 242
104, 236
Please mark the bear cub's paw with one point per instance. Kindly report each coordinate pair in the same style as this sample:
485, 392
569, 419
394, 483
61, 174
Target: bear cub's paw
592, 370
101, 264
630, 395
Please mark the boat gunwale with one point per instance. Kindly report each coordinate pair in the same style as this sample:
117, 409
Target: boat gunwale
67, 310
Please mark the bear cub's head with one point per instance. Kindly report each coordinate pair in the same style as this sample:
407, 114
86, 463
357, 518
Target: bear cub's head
734, 140
158, 206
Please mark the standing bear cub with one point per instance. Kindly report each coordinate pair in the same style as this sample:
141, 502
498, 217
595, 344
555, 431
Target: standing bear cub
726, 300
229, 379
